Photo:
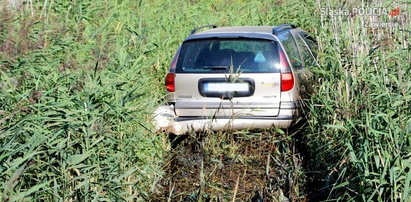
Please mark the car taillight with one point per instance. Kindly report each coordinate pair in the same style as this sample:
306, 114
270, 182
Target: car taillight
170, 82
287, 78
170, 76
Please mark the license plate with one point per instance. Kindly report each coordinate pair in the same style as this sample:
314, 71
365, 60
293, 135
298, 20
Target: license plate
226, 87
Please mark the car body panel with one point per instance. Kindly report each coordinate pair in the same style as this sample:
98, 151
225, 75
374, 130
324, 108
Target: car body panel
265, 100
165, 120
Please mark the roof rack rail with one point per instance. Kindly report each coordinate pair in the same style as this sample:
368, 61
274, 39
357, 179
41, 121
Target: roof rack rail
204, 26
283, 27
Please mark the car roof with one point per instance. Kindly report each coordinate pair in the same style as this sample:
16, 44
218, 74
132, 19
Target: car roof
236, 29
259, 32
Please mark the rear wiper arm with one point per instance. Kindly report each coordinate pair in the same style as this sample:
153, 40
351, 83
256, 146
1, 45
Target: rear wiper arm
215, 67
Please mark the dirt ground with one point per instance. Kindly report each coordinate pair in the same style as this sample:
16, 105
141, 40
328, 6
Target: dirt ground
248, 166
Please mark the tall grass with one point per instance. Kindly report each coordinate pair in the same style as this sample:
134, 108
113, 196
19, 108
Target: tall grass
74, 116
79, 80
360, 115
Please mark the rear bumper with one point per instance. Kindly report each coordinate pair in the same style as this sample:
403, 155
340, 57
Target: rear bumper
165, 120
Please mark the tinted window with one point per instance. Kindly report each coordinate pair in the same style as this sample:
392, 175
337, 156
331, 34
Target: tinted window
290, 47
305, 52
225, 55
312, 44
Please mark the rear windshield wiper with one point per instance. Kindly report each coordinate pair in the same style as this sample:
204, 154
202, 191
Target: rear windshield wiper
215, 67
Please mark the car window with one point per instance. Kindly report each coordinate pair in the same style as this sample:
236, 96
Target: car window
245, 45
224, 55
306, 55
312, 44
290, 47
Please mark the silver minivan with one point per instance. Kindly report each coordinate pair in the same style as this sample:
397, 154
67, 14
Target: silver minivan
236, 78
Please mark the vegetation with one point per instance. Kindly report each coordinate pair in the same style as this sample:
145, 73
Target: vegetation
359, 119
79, 80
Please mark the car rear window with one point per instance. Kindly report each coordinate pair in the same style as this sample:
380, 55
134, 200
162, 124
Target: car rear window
228, 55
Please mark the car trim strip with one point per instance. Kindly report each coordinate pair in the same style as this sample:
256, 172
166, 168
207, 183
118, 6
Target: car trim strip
190, 118
290, 105
219, 105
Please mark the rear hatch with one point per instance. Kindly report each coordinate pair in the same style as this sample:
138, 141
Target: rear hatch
227, 78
